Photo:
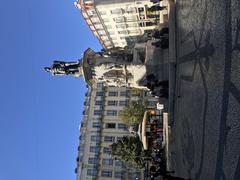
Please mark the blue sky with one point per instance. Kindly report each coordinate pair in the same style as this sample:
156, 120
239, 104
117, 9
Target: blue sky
39, 113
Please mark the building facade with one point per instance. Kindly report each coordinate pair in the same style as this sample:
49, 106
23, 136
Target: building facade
100, 127
117, 23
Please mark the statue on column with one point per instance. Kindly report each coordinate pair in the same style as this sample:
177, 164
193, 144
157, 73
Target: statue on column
116, 67
60, 68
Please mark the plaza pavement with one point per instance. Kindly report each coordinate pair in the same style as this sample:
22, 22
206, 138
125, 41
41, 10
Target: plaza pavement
205, 113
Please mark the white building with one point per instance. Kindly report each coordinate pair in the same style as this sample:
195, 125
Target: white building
100, 127
117, 23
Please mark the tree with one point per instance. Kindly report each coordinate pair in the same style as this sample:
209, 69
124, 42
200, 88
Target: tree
133, 114
129, 150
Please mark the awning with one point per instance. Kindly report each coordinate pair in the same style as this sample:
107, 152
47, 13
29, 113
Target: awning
143, 132
139, 131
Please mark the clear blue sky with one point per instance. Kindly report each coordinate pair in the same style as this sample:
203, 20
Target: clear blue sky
39, 113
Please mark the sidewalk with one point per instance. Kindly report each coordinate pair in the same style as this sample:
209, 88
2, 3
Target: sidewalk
172, 24
172, 56
172, 59
166, 131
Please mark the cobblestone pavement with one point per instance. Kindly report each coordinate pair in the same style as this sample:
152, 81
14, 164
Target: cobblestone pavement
205, 136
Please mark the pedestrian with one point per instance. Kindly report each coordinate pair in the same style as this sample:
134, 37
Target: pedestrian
155, 1
170, 177
157, 8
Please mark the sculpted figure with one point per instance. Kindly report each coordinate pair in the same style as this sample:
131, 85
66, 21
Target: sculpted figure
63, 68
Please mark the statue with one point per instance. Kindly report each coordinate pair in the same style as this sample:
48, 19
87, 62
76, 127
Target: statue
115, 67
60, 68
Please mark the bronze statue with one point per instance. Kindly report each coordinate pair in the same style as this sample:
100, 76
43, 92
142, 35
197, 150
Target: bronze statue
64, 68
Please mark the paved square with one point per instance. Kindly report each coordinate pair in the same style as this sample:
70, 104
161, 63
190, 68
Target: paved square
205, 136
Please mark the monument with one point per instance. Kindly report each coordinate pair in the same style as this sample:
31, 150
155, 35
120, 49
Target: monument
117, 67
60, 68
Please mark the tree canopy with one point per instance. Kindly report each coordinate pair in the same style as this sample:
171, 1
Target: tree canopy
133, 114
129, 150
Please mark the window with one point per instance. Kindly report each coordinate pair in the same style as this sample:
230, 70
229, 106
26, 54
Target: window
141, 9
92, 172
132, 25
131, 18
123, 26
141, 13
99, 93
109, 138
112, 103
98, 26
111, 125
152, 103
111, 32
118, 163
91, 27
101, 32
122, 126
134, 31
96, 119
107, 162
142, 16
142, 24
96, 125
116, 11
109, 26
106, 173
106, 41
136, 94
92, 160
113, 37
81, 148
98, 103
112, 93
111, 112
102, 12
94, 149
148, 94
131, 10
95, 20
119, 19
97, 112
95, 138
118, 175
119, 138
123, 32
151, 24
99, 85
106, 20
123, 103
106, 150
124, 93
105, 38
91, 12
